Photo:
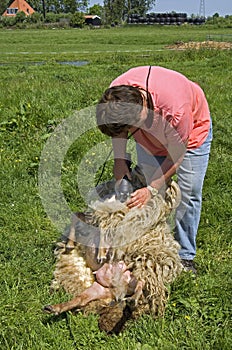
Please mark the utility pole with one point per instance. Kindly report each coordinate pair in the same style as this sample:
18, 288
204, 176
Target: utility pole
202, 9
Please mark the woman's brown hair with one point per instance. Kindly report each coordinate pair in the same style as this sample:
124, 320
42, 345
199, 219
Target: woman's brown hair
119, 109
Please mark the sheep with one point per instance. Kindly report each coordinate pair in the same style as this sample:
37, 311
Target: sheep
138, 257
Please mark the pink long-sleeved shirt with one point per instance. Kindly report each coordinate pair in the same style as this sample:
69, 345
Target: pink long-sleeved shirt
178, 102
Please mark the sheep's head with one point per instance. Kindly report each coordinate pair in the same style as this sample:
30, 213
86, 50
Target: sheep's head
123, 189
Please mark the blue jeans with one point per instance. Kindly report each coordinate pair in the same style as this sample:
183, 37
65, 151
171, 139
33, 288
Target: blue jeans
191, 174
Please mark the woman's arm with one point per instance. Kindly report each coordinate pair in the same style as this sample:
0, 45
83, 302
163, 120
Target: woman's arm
167, 169
165, 172
119, 147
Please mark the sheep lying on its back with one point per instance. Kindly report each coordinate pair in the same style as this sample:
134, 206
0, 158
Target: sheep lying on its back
141, 238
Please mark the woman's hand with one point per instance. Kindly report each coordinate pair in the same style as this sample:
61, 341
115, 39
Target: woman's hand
139, 198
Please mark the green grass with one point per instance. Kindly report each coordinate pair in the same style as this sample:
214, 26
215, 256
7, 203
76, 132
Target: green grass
34, 99
39, 45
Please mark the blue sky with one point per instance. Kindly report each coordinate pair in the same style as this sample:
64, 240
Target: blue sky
223, 7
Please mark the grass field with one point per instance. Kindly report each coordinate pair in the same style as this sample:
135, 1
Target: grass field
38, 93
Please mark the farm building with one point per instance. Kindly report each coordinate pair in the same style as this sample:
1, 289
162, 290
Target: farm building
93, 20
17, 6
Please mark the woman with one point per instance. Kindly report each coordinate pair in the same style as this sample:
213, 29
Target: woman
169, 118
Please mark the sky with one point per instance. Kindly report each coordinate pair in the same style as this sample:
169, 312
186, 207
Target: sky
223, 7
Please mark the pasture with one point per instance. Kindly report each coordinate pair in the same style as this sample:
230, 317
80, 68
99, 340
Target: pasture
36, 94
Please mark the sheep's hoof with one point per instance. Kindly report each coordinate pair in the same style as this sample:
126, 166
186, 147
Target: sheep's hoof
101, 260
48, 309
70, 245
68, 249
131, 303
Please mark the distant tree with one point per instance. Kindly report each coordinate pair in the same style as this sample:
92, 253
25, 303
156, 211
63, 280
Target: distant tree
37, 5
59, 6
118, 10
114, 11
96, 9
3, 5
140, 7
70, 6
53, 6
74, 5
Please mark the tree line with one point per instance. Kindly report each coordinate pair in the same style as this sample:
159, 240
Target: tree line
112, 11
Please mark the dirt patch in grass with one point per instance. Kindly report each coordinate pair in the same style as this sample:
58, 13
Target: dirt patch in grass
221, 45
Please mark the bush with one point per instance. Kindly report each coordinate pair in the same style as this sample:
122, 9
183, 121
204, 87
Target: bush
77, 20
8, 21
220, 22
20, 17
51, 18
36, 17
21, 25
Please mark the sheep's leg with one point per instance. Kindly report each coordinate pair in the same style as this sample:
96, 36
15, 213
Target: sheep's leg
78, 216
132, 301
71, 235
102, 255
94, 292
102, 249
